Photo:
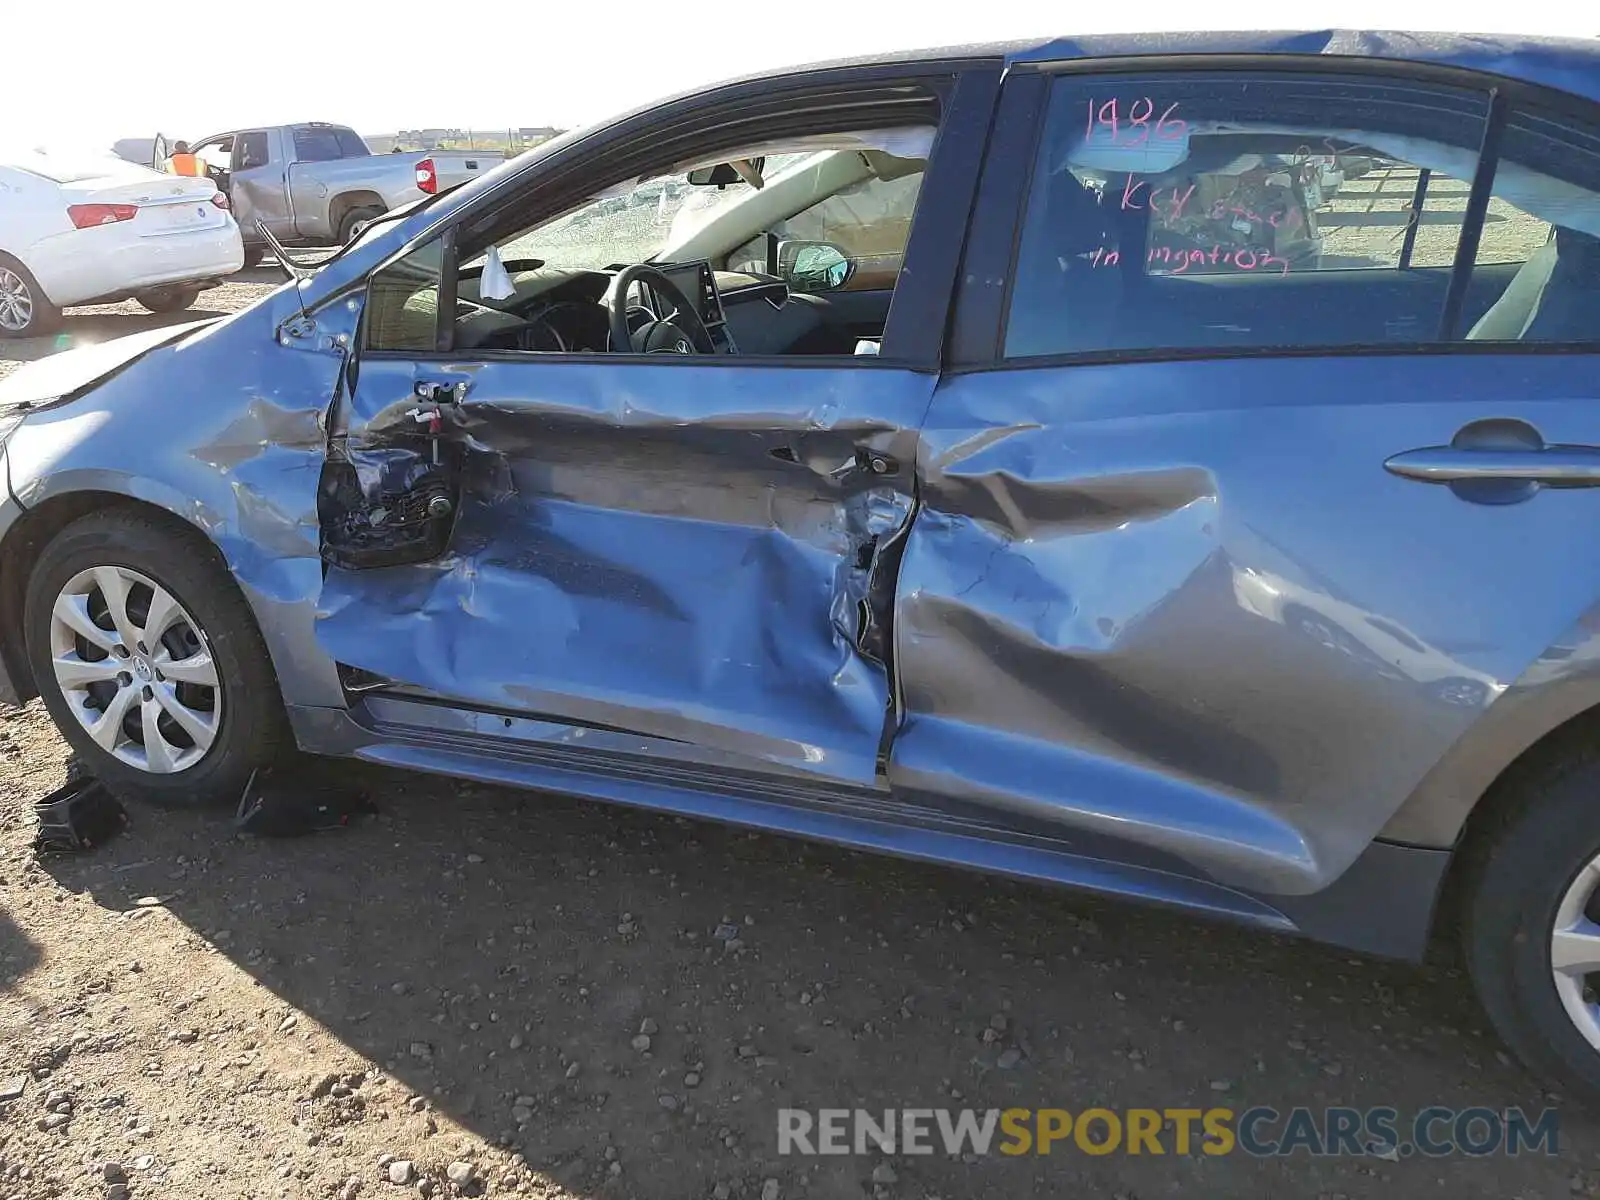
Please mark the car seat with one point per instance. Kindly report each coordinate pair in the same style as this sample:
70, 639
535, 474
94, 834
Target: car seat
1555, 297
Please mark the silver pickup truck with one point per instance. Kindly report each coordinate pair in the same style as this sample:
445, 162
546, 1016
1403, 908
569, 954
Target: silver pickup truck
317, 184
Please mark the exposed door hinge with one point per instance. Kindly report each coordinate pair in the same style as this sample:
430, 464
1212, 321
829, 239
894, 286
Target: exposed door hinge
297, 327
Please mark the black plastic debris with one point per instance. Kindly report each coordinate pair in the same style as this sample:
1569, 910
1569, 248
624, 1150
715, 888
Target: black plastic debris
79, 815
291, 803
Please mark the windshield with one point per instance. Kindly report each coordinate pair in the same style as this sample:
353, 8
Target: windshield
632, 223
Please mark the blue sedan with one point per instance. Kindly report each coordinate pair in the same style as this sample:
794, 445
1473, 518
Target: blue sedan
1161, 466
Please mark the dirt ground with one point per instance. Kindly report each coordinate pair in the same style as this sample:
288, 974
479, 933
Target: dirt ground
549, 998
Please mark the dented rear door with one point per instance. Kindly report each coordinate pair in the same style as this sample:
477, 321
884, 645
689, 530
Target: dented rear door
1214, 583
683, 550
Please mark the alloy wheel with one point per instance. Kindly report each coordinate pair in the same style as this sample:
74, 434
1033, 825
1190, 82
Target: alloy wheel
136, 669
1575, 951
16, 301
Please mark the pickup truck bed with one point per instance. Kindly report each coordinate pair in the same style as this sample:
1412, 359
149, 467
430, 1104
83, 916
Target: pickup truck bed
317, 184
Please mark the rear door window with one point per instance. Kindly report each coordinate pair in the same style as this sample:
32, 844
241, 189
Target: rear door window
1538, 259
1194, 211
326, 145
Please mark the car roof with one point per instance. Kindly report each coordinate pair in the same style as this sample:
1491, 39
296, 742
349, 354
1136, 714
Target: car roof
1567, 64
1570, 65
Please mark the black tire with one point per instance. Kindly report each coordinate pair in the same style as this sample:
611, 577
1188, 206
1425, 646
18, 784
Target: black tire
1549, 831
253, 256
252, 730
45, 317
354, 221
168, 299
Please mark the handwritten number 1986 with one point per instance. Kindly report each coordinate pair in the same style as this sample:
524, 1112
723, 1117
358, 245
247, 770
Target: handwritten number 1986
1136, 130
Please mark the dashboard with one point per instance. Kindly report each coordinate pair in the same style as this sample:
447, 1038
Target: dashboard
561, 309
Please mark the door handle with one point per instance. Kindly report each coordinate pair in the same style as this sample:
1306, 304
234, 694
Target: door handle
1562, 466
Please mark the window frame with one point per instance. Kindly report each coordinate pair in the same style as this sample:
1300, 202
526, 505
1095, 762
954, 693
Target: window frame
988, 271
964, 92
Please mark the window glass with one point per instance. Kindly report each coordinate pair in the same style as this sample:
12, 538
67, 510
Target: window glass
402, 311
628, 226
1193, 211
250, 150
870, 222
1444, 209
325, 145
1536, 277
1510, 234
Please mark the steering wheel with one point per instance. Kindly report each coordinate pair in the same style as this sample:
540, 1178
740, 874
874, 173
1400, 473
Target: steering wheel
682, 331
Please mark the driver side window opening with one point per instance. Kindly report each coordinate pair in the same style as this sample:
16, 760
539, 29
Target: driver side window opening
216, 154
790, 245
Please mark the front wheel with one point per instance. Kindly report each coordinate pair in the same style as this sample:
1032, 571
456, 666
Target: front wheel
171, 299
150, 662
1532, 936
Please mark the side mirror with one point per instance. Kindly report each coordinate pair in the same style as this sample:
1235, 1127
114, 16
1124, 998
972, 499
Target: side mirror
814, 266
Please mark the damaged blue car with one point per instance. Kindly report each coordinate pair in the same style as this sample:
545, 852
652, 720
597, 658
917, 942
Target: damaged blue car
1161, 466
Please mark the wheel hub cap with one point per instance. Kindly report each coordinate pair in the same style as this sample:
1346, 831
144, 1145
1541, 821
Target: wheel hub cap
16, 301
1575, 952
135, 669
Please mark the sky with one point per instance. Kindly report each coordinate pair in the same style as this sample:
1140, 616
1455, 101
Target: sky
98, 70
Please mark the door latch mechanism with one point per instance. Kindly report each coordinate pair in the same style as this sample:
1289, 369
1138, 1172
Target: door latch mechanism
431, 415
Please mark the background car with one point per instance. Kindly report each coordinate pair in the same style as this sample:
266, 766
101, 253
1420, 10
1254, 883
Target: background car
96, 230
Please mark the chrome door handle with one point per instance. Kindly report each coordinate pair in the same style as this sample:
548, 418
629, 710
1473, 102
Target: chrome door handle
1571, 466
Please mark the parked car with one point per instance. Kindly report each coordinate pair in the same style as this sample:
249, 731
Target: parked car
98, 230
1258, 589
317, 184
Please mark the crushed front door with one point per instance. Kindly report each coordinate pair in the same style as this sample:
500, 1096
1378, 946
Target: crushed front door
687, 551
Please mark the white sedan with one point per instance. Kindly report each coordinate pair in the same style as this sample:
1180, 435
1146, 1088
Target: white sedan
99, 230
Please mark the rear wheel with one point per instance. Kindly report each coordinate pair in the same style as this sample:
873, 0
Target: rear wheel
1533, 926
174, 298
25, 311
150, 662
356, 220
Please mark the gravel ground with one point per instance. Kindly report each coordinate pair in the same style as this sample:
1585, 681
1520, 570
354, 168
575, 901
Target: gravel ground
482, 991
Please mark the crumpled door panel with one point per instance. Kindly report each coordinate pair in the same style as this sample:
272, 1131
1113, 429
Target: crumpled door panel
701, 553
1184, 605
